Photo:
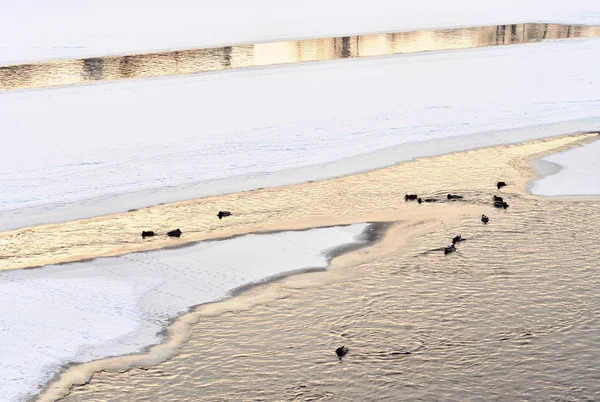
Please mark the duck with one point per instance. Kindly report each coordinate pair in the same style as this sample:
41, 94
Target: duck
148, 233
420, 200
454, 197
174, 233
451, 248
484, 219
410, 197
500, 184
341, 352
496, 198
500, 204
221, 214
456, 239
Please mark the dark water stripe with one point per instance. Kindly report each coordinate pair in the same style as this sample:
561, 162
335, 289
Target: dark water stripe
82, 71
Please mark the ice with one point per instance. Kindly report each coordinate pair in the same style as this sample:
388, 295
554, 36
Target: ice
83, 151
37, 29
573, 172
113, 306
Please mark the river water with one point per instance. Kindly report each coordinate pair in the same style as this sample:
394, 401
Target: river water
512, 315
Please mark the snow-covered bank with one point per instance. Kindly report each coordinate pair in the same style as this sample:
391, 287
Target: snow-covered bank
114, 306
92, 28
130, 144
573, 172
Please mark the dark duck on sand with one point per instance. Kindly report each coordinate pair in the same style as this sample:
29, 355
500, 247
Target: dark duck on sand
496, 198
410, 197
456, 239
174, 233
222, 214
420, 200
484, 219
148, 233
500, 184
341, 352
454, 197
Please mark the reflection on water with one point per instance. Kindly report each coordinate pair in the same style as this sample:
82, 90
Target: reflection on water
512, 315
81, 71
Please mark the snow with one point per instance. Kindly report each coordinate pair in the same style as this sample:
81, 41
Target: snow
113, 306
74, 28
82, 151
573, 172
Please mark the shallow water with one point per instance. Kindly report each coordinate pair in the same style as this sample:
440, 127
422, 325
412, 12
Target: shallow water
81, 71
374, 196
513, 314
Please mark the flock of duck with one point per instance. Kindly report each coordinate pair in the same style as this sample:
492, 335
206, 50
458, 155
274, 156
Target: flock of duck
177, 232
498, 203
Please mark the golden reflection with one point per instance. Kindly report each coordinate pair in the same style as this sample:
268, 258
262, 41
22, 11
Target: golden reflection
81, 71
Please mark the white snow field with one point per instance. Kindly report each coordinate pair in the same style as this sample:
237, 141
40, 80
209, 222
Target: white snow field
32, 30
89, 150
573, 172
114, 306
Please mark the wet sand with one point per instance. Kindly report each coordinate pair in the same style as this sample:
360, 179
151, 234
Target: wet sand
375, 196
516, 288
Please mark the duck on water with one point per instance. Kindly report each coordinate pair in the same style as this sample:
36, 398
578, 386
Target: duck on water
341, 352
147, 233
222, 214
450, 249
500, 204
174, 233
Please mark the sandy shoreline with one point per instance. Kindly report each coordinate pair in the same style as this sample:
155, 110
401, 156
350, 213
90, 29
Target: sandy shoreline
411, 220
294, 207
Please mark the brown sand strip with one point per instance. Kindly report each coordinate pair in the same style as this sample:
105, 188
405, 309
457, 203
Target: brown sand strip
367, 197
